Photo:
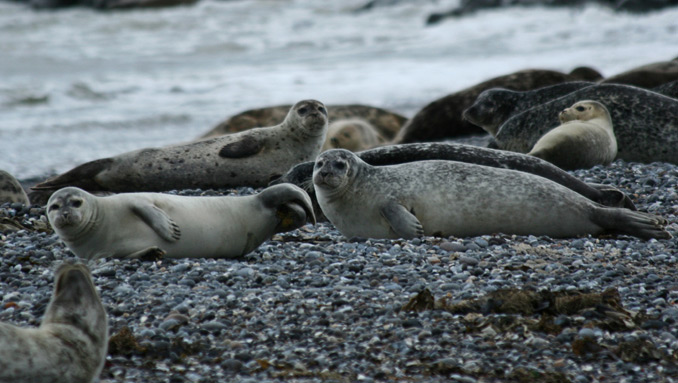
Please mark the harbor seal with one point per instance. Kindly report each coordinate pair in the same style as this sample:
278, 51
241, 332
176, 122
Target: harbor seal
11, 190
388, 123
645, 122
354, 135
249, 158
670, 89
448, 198
584, 139
71, 343
301, 174
647, 76
496, 105
135, 225
442, 118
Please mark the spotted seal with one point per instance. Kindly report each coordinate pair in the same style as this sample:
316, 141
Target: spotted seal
355, 135
11, 190
448, 198
647, 76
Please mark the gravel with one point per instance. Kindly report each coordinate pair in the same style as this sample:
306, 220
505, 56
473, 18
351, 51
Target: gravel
311, 306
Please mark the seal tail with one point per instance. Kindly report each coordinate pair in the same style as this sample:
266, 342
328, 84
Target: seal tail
82, 176
294, 206
635, 223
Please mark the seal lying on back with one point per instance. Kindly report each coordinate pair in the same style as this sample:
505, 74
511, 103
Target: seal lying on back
447, 198
11, 190
354, 135
248, 158
585, 138
71, 343
134, 225
645, 123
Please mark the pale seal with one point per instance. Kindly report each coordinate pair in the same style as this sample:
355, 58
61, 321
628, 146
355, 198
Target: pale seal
249, 158
355, 135
71, 343
442, 118
645, 122
647, 76
135, 225
448, 198
388, 123
11, 190
584, 139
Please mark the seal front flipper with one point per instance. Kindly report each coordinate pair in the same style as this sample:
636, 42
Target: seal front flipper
158, 220
402, 222
245, 147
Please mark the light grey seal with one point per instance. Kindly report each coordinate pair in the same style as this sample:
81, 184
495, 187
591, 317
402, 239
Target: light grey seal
584, 139
355, 135
249, 158
645, 122
135, 225
71, 343
11, 190
448, 198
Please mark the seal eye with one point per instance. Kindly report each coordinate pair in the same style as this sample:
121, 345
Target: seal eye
319, 164
580, 109
76, 203
322, 110
55, 206
340, 165
302, 111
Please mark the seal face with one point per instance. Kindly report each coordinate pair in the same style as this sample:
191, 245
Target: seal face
444, 198
134, 225
11, 190
71, 343
584, 139
354, 135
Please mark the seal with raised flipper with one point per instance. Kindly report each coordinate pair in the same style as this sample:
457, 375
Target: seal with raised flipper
250, 158
11, 190
71, 343
140, 225
448, 198
355, 135
584, 139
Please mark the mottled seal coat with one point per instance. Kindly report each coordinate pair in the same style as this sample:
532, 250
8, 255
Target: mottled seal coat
448, 198
443, 119
494, 106
385, 121
355, 135
645, 122
134, 225
248, 158
670, 89
584, 139
301, 175
11, 190
647, 76
71, 343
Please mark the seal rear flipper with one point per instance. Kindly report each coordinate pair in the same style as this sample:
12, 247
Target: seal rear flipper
151, 254
402, 222
613, 197
290, 197
245, 147
158, 220
635, 223
82, 176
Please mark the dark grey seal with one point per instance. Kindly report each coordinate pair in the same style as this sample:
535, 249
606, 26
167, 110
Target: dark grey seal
647, 76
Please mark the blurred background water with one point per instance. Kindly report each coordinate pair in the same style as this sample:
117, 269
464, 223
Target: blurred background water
79, 84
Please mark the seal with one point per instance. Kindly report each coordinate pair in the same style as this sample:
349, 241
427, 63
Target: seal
647, 76
448, 198
140, 225
11, 190
670, 89
496, 105
442, 119
301, 174
71, 343
388, 123
584, 139
645, 122
249, 158
354, 135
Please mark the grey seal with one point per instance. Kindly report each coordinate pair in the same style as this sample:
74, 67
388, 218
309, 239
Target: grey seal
249, 158
647, 76
645, 122
136, 225
11, 190
71, 343
584, 139
448, 198
355, 135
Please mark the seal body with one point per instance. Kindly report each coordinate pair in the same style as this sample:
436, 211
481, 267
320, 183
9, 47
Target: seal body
647, 76
584, 139
445, 198
248, 158
645, 122
11, 190
133, 225
71, 343
355, 135
385, 121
